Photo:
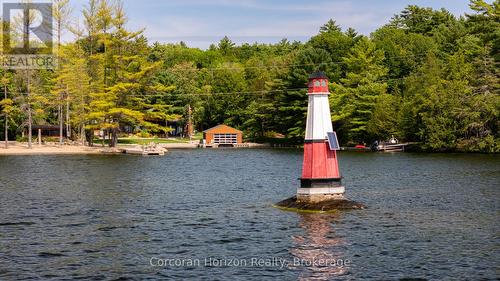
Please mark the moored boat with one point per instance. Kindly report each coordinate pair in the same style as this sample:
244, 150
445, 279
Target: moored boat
147, 150
392, 145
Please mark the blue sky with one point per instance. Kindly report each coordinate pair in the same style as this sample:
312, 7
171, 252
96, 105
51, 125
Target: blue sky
202, 22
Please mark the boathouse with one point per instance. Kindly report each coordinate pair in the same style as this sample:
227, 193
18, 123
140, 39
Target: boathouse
222, 135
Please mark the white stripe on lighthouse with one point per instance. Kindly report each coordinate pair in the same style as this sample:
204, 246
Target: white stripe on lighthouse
319, 120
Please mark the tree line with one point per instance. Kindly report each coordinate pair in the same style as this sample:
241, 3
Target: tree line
426, 76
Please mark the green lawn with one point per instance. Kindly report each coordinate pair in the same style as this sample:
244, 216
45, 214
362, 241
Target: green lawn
140, 141
196, 137
149, 140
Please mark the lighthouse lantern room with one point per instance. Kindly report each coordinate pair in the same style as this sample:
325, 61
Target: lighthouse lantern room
321, 179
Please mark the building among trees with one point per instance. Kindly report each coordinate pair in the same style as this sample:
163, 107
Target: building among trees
222, 135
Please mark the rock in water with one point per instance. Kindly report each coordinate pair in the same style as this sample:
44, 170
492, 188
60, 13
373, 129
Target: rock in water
292, 204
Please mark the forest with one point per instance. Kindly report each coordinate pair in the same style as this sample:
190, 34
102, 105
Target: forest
427, 76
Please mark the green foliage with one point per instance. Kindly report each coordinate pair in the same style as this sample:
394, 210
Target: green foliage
420, 20
404, 51
385, 117
330, 27
356, 96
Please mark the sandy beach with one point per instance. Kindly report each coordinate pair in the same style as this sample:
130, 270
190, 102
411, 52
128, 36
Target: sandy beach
22, 149
16, 148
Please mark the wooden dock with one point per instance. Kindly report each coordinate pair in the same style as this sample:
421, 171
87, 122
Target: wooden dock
234, 145
146, 150
400, 147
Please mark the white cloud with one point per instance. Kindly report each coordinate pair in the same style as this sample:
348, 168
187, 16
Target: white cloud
203, 22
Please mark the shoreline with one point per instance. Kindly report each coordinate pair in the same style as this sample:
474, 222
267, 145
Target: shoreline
21, 149
17, 149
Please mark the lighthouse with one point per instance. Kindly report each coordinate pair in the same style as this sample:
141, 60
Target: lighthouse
321, 188
321, 179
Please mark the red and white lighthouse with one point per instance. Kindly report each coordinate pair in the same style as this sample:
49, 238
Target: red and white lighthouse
321, 179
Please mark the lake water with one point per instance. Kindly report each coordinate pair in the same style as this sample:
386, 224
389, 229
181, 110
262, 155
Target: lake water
207, 214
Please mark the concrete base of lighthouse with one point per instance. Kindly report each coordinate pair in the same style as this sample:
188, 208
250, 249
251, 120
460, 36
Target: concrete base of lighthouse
320, 200
319, 195
319, 190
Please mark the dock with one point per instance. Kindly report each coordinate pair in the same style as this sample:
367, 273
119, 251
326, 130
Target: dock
364, 149
215, 145
234, 145
400, 147
152, 149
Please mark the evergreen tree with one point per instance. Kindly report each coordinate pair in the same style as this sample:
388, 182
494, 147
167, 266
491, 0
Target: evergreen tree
354, 98
128, 79
226, 46
330, 26
385, 118
421, 20
291, 93
73, 79
7, 104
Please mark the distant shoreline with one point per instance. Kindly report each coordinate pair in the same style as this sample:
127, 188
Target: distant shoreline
21, 149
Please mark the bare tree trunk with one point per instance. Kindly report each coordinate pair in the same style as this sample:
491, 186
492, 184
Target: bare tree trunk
68, 125
82, 134
82, 122
103, 137
89, 135
30, 127
30, 119
60, 110
114, 138
166, 126
26, 31
6, 120
91, 138
60, 123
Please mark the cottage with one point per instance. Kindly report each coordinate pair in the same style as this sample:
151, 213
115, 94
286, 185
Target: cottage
222, 135
46, 130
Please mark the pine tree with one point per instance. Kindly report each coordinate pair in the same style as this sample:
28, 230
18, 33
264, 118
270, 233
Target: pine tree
437, 99
7, 104
291, 94
128, 78
330, 26
353, 100
74, 80
61, 12
226, 46
385, 118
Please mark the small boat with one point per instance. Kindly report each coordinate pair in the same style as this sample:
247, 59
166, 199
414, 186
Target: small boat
359, 148
147, 150
392, 145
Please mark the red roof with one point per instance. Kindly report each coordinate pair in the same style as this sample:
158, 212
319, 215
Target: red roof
222, 127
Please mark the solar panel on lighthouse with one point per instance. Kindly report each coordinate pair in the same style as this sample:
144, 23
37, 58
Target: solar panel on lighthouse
333, 141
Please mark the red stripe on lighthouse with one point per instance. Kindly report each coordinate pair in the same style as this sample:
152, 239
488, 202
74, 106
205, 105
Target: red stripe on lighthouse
319, 161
